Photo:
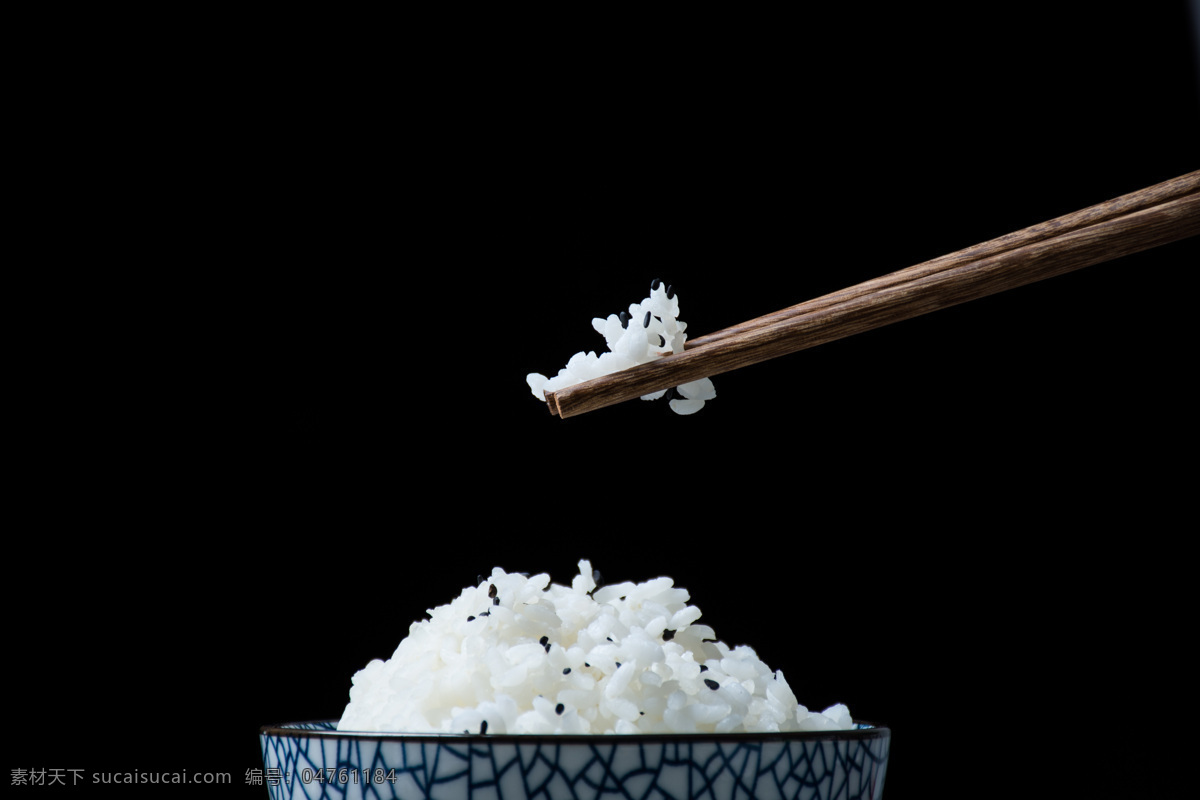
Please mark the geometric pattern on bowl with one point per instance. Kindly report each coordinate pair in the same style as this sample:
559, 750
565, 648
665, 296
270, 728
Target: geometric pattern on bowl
313, 760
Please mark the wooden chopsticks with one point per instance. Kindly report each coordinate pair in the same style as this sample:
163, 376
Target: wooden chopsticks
1157, 215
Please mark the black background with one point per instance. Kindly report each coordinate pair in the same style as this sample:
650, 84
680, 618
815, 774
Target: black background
280, 410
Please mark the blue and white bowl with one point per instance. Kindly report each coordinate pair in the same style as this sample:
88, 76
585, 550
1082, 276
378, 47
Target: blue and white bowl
315, 760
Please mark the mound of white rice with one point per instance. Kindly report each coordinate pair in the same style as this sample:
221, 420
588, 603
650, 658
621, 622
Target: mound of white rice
650, 329
519, 654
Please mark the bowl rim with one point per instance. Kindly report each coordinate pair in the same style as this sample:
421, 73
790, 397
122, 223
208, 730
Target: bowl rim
288, 730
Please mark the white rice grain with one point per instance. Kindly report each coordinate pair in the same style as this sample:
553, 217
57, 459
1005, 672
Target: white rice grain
524, 655
653, 329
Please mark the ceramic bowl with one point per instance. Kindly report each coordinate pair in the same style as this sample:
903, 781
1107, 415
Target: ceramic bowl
315, 760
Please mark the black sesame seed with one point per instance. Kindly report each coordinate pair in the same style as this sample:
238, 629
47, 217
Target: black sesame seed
567, 671
485, 613
558, 709
543, 640
470, 618
495, 601
624, 319
609, 638
671, 394
646, 320
670, 292
492, 590
547, 646
618, 665
668, 635
483, 726
661, 341
643, 713
586, 664
710, 683
654, 284
713, 641
703, 668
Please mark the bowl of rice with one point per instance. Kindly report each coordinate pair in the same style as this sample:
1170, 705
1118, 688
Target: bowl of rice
521, 688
